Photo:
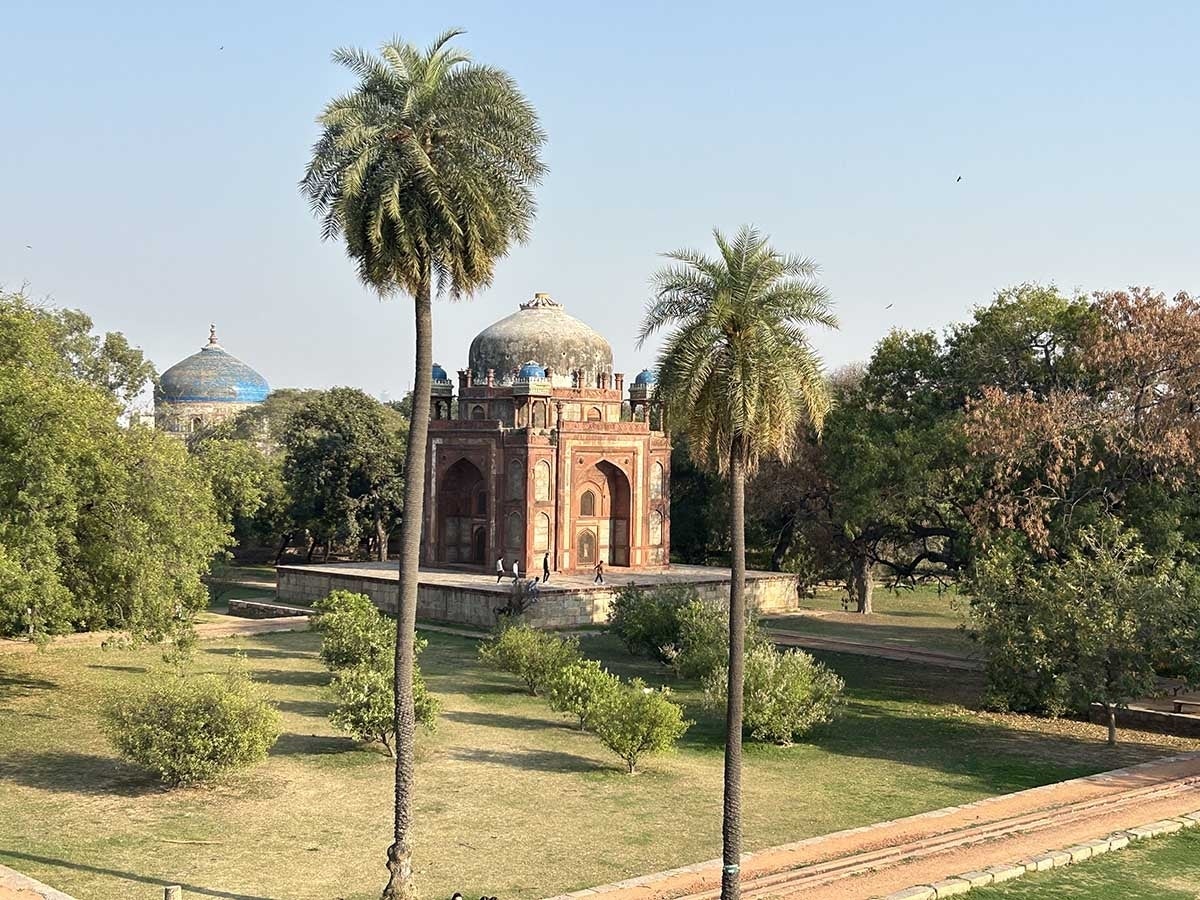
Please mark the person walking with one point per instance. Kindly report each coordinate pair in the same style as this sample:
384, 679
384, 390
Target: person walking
599, 570
516, 571
545, 568
499, 570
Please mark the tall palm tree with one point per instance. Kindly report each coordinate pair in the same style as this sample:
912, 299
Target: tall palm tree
426, 169
737, 375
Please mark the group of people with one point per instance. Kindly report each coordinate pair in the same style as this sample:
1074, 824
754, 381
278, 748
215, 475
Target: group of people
502, 571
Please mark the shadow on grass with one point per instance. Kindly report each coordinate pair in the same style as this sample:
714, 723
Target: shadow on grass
497, 720
13, 686
528, 760
319, 709
137, 669
16, 855
293, 677
292, 744
257, 652
77, 773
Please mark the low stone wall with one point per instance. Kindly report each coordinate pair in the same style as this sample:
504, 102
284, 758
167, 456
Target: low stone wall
1158, 721
259, 609
556, 608
15, 886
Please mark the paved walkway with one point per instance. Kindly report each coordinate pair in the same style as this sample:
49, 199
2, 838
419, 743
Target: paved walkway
878, 859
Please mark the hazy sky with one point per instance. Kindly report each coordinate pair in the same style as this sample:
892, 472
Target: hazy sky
153, 173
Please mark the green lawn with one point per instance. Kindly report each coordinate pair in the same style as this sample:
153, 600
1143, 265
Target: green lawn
924, 618
1160, 869
512, 801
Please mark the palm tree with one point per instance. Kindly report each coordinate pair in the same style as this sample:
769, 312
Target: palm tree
427, 170
737, 376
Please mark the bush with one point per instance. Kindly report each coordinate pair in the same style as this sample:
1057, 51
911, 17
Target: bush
785, 694
634, 720
648, 623
353, 631
702, 645
192, 728
534, 656
579, 687
366, 704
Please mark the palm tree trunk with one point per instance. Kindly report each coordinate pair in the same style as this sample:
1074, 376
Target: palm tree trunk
400, 884
731, 826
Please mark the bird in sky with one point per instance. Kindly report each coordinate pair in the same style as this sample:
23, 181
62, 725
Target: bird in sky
889, 306
29, 246
958, 179
222, 47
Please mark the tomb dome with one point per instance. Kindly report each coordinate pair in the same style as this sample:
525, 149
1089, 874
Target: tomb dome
540, 330
211, 376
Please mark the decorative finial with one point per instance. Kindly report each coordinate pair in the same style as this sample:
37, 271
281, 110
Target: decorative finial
542, 300
212, 335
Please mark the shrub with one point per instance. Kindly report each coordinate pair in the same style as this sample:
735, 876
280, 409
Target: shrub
192, 728
634, 720
579, 687
786, 694
353, 631
702, 645
366, 704
647, 623
534, 656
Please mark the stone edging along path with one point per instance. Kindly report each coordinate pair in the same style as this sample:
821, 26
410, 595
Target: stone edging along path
929, 849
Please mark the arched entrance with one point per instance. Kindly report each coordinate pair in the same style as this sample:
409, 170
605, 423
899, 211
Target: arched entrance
462, 515
602, 499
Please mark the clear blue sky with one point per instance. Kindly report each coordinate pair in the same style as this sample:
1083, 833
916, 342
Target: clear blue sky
154, 174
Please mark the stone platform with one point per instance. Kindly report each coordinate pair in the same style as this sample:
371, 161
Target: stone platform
565, 601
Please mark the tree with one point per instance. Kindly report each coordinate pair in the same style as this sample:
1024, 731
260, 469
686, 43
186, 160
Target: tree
426, 169
100, 526
738, 376
107, 362
342, 467
634, 720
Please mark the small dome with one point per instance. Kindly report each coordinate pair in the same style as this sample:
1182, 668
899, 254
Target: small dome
211, 376
439, 374
645, 377
531, 370
540, 330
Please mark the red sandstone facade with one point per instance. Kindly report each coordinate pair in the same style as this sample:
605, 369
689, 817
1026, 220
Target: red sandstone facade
546, 463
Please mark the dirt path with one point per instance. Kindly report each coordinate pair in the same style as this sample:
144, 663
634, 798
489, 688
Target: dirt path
205, 630
868, 648
889, 856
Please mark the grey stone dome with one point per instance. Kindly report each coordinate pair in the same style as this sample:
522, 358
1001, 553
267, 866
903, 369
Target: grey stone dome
540, 330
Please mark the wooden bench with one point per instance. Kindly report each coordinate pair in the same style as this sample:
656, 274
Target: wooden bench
1187, 706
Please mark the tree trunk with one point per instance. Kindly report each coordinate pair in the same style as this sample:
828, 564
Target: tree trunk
381, 538
400, 884
863, 581
731, 825
283, 545
1111, 713
312, 546
783, 544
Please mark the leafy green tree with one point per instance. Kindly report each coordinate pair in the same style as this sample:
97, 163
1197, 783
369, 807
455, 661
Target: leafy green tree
365, 704
578, 688
353, 631
342, 467
1094, 628
634, 721
192, 728
787, 693
738, 377
108, 361
534, 656
427, 170
100, 526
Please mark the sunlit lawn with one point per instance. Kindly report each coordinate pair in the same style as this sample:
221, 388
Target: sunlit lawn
1160, 869
925, 617
512, 801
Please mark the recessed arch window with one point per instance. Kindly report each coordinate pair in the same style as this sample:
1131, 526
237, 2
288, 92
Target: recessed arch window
477, 412
481, 503
587, 504
541, 481
594, 414
656, 481
656, 523
587, 546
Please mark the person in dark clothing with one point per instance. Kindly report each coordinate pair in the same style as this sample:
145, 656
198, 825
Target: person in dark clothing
545, 568
599, 570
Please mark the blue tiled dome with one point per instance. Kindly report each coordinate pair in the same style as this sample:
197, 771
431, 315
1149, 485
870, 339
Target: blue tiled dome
212, 376
532, 370
645, 377
439, 374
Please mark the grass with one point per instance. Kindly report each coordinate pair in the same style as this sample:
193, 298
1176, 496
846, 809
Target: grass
923, 618
1165, 868
512, 801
